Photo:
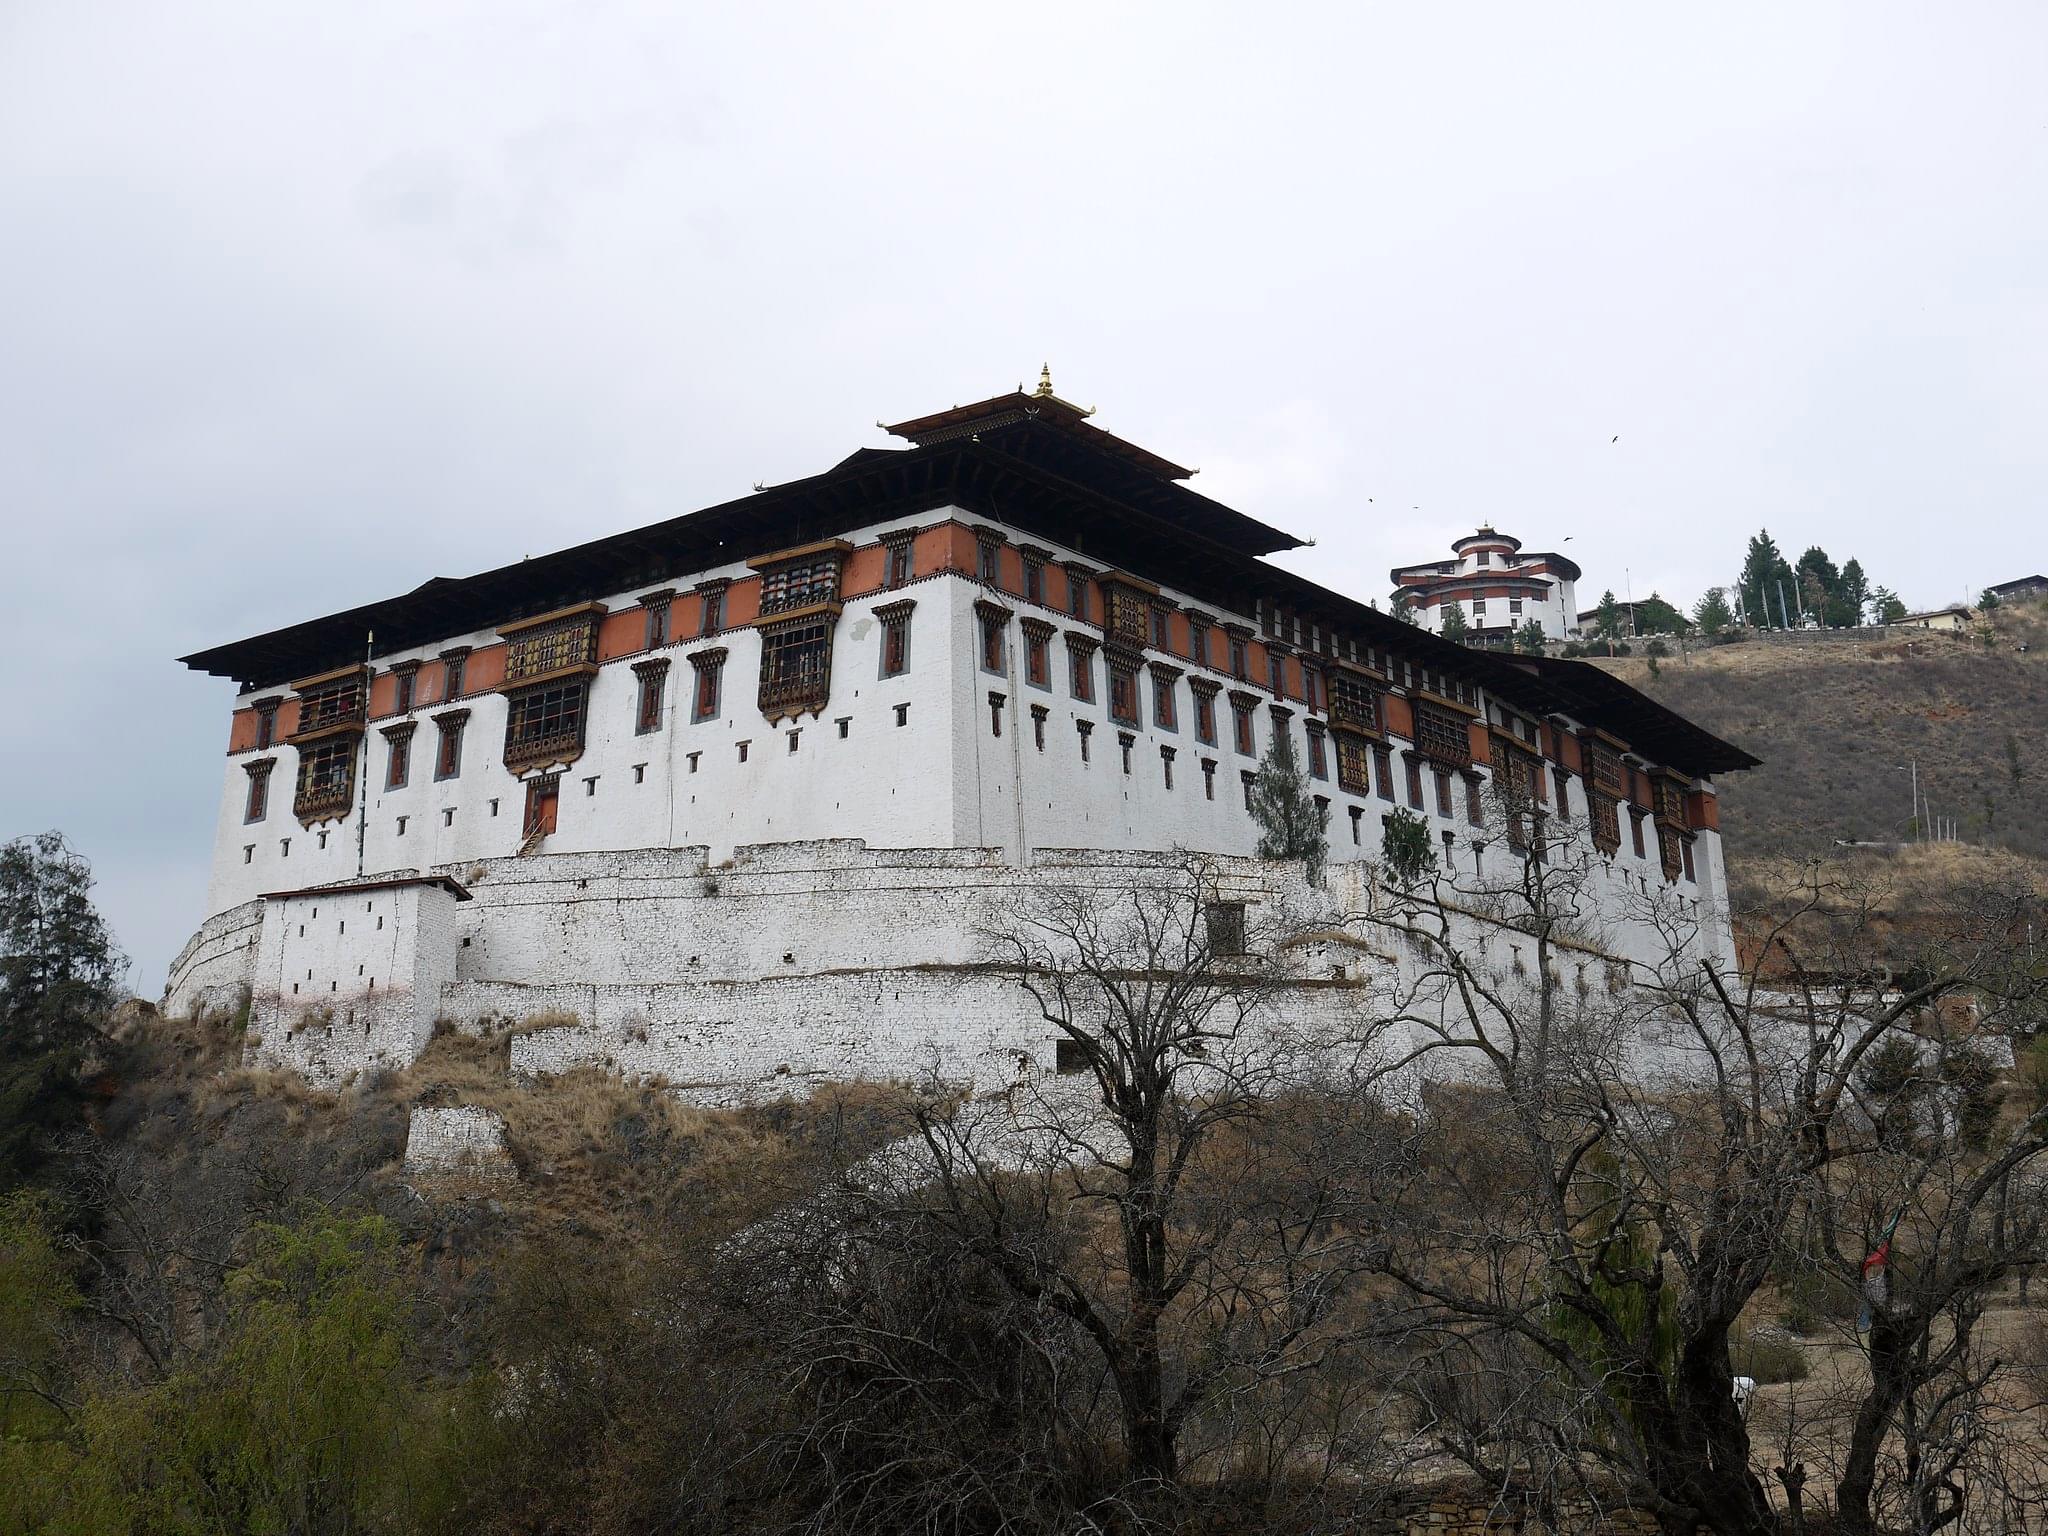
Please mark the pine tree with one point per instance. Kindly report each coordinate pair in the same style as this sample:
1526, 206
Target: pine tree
1608, 620
1530, 639
1452, 626
1291, 824
1654, 616
1855, 589
1763, 572
1886, 606
59, 976
1711, 614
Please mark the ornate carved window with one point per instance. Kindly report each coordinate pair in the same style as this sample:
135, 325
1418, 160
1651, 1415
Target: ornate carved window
1240, 653
709, 666
895, 620
327, 778
545, 724
258, 804
1603, 813
1077, 591
1198, 639
1162, 630
331, 703
796, 667
988, 558
1383, 770
1605, 770
652, 677
555, 645
1354, 703
1670, 842
455, 666
1034, 576
1353, 776
1204, 692
1442, 734
800, 584
1318, 750
1126, 612
1669, 799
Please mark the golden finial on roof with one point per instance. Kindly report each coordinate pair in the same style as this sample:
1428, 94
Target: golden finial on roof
1044, 390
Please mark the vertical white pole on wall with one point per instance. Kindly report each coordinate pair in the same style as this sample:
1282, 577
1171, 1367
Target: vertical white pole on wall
363, 769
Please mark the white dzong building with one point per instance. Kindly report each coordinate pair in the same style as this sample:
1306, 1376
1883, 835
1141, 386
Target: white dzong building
1497, 587
729, 790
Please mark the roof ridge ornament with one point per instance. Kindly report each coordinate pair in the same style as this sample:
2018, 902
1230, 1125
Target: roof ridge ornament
1044, 390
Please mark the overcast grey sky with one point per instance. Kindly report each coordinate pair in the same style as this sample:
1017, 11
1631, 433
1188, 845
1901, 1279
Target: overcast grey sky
300, 305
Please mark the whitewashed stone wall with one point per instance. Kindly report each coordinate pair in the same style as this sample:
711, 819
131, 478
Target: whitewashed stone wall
761, 974
350, 977
460, 1140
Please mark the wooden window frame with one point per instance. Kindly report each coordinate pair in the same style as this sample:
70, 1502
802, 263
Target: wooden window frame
448, 745
651, 695
256, 803
398, 755
546, 723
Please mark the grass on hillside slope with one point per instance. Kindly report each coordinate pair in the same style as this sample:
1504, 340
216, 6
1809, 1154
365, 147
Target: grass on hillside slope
1835, 720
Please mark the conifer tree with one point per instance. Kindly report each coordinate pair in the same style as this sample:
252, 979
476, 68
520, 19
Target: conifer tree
1453, 624
1291, 824
1711, 614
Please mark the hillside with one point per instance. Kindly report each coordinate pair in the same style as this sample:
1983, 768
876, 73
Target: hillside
1837, 719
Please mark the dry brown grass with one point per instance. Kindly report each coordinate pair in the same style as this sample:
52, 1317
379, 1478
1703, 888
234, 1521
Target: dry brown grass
1837, 718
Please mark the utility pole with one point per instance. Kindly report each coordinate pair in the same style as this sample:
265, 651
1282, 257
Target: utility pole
1784, 618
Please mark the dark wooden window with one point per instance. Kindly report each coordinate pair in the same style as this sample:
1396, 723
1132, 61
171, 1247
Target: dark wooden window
653, 679
988, 558
1475, 809
712, 619
1603, 814
1669, 844
402, 687
1208, 778
1249, 779
1162, 630
1037, 659
258, 804
895, 645
900, 559
327, 778
397, 757
1077, 594
710, 668
1352, 775
995, 714
455, 667
992, 626
1081, 673
800, 584
1414, 765
1443, 735
1635, 827
1038, 714
1034, 579
1163, 714
1124, 612
1318, 755
546, 722
1355, 702
1123, 693
1198, 642
1685, 845
448, 750
657, 625
1240, 658
796, 667
1241, 728
1443, 793
1383, 771
1276, 675
1563, 782
266, 723
543, 801
1084, 728
1205, 712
